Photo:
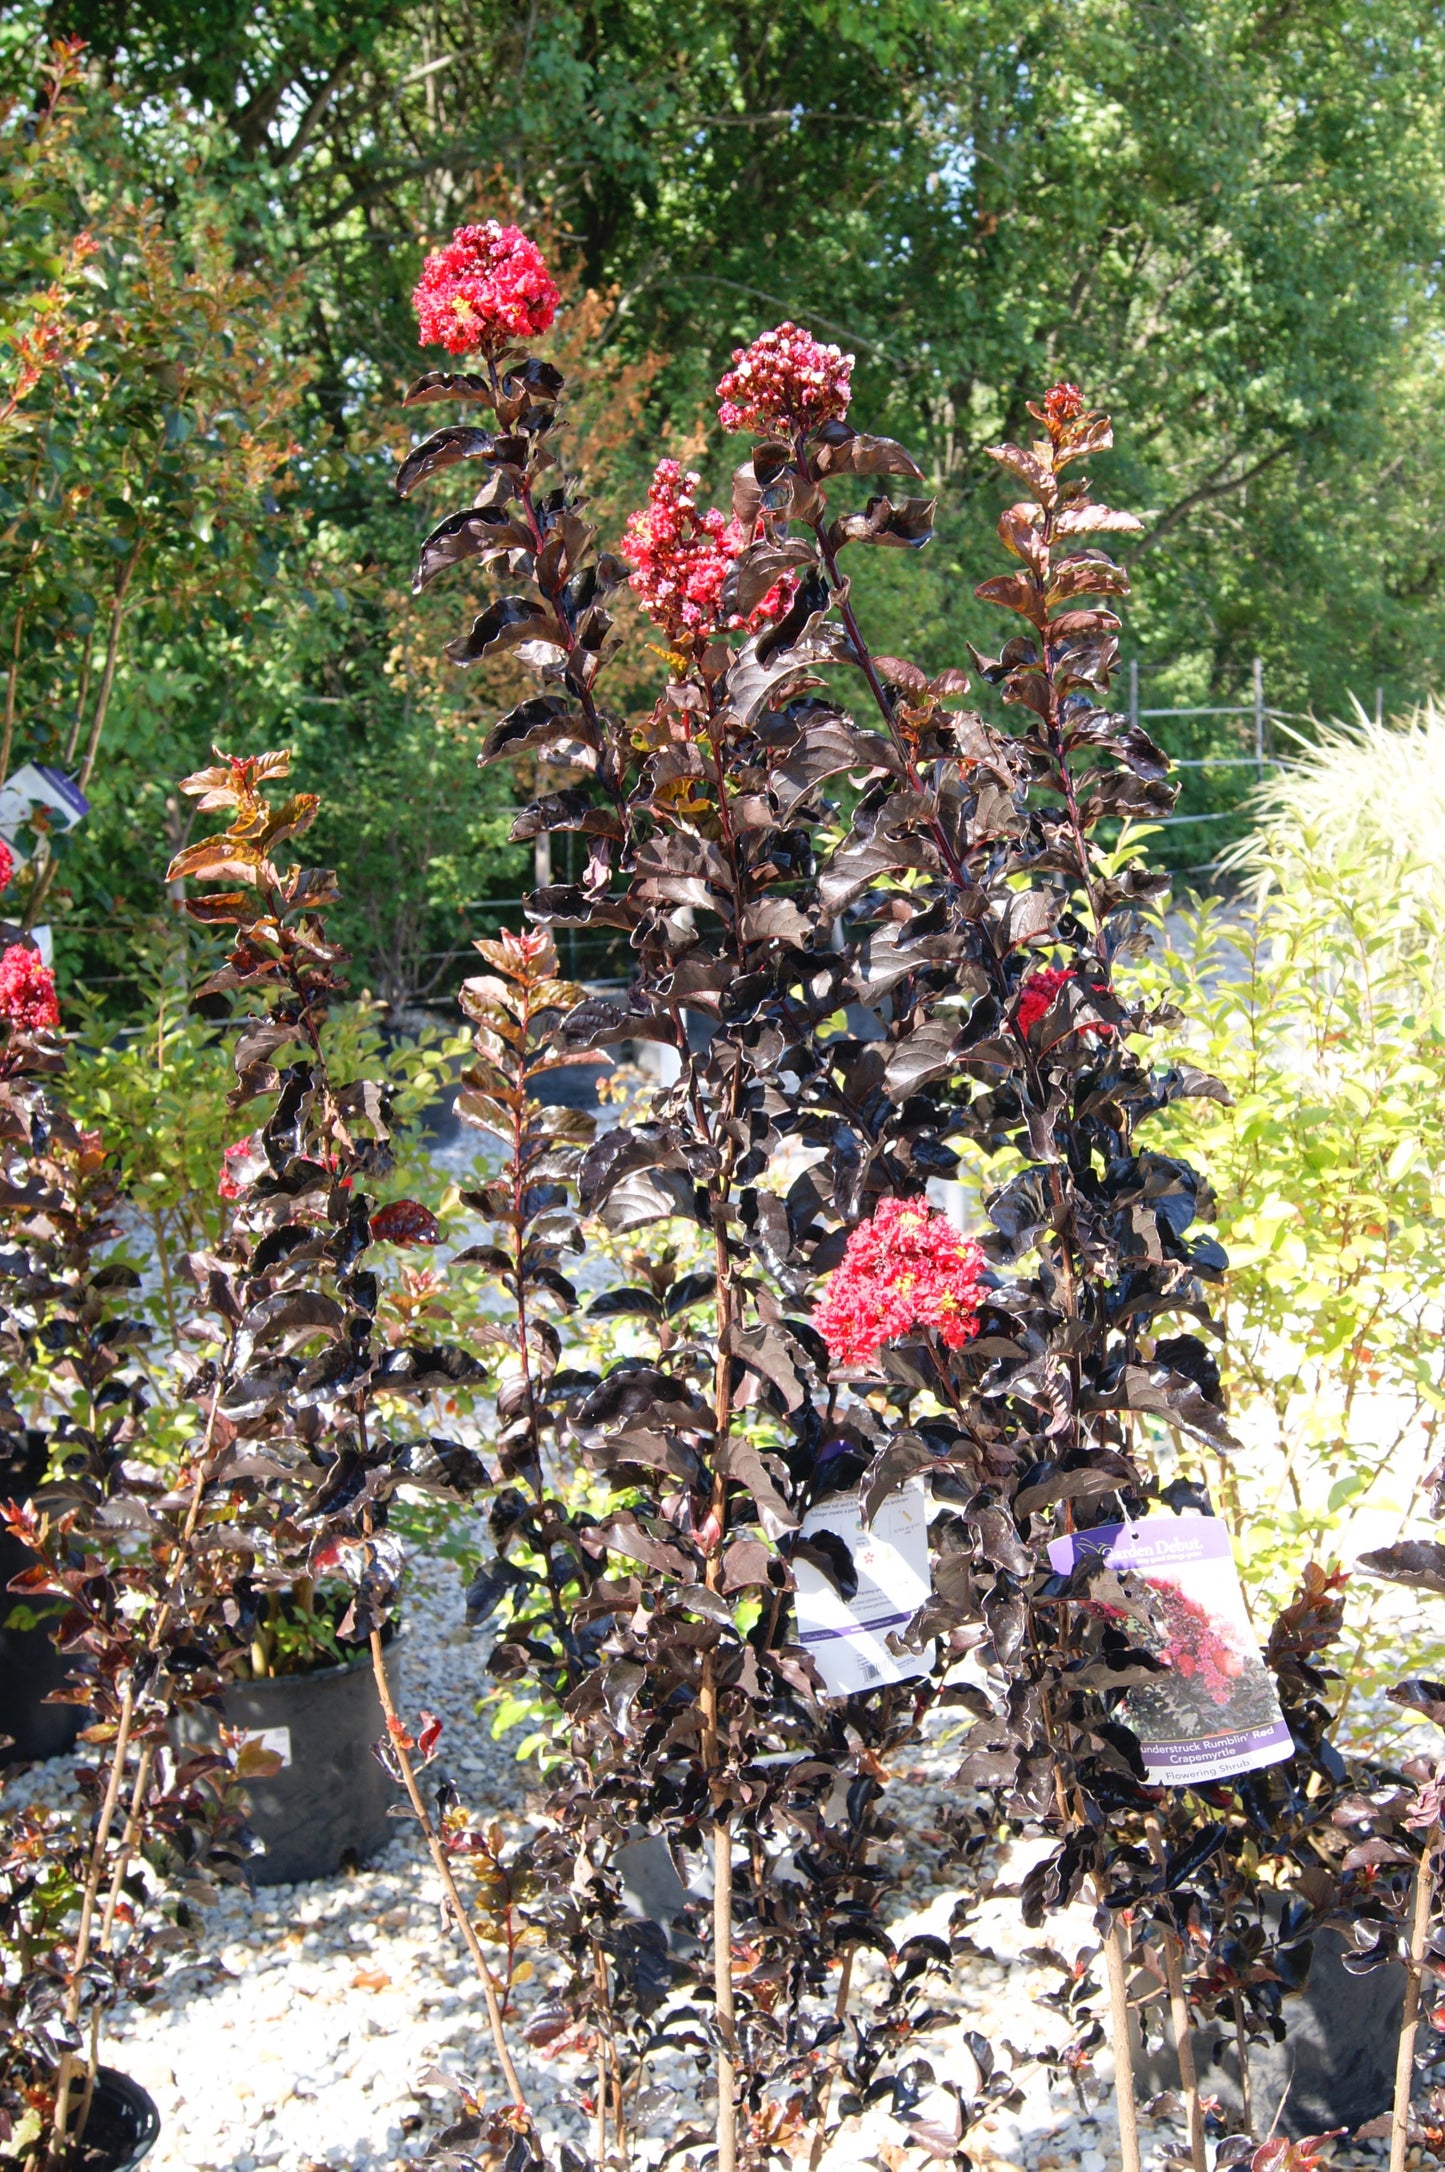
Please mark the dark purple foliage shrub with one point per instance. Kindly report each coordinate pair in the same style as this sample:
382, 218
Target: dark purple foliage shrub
863, 936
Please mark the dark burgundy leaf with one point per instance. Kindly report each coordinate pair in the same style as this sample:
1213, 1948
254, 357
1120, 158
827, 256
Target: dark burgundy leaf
405, 1222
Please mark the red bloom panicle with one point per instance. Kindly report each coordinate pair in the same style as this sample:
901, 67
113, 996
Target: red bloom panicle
7, 865
487, 287
27, 990
786, 380
908, 1267
1037, 995
681, 557
1198, 1646
1063, 403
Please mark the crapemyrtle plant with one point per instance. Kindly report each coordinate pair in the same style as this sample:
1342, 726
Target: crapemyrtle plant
875, 932
314, 1412
89, 1902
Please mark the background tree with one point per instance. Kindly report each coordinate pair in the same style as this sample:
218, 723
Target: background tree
1221, 218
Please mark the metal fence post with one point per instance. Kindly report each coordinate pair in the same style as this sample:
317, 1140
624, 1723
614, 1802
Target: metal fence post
1134, 693
1259, 714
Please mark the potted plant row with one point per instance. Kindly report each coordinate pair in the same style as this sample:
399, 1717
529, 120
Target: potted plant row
849, 1469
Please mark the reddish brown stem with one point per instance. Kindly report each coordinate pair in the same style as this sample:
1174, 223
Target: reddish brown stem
397, 1736
1422, 1896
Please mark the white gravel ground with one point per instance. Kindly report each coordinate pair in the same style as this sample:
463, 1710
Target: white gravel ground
302, 2039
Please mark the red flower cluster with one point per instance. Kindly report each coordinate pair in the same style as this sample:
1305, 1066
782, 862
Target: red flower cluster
27, 990
1195, 1646
681, 557
487, 287
776, 604
7, 865
1063, 403
908, 1267
1038, 993
785, 380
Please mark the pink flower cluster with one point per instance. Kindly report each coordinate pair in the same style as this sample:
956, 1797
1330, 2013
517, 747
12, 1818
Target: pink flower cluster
908, 1267
485, 288
1038, 993
7, 865
27, 990
787, 381
680, 556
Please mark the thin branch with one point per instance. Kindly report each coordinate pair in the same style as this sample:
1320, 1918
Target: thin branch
315, 113
11, 681
1202, 496
397, 1735
1424, 1894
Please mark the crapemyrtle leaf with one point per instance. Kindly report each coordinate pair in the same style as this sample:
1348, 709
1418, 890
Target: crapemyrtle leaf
1418, 1563
620, 1304
542, 721
505, 624
443, 1468
462, 441
1420, 1696
448, 385
1030, 470
480, 531
405, 1222
689, 1290
855, 453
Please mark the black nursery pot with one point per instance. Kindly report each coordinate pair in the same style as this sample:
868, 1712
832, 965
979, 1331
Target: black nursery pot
1336, 2066
122, 2127
30, 1666
326, 1809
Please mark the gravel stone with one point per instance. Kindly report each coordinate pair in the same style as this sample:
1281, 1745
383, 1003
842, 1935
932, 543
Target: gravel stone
298, 2036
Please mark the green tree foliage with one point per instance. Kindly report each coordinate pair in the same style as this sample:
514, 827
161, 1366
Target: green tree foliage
1219, 216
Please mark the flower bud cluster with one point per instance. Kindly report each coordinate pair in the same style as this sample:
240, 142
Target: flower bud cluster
786, 380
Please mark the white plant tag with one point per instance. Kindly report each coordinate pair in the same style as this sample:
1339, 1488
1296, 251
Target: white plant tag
275, 1739
845, 1638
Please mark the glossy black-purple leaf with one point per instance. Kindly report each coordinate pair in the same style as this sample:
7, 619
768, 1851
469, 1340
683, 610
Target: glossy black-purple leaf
413, 1370
829, 1554
505, 624
478, 531
443, 1468
620, 1304
539, 722
448, 385
461, 441
1418, 1563
690, 1290
832, 453
1169, 1395
906, 526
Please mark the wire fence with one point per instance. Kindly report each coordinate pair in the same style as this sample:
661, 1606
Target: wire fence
603, 947
1261, 717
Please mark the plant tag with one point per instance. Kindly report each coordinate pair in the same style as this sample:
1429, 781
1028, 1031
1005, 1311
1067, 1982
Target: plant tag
275, 1739
846, 1637
1214, 1712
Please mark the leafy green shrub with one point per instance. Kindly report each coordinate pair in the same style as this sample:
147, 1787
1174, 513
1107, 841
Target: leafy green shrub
1319, 1000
